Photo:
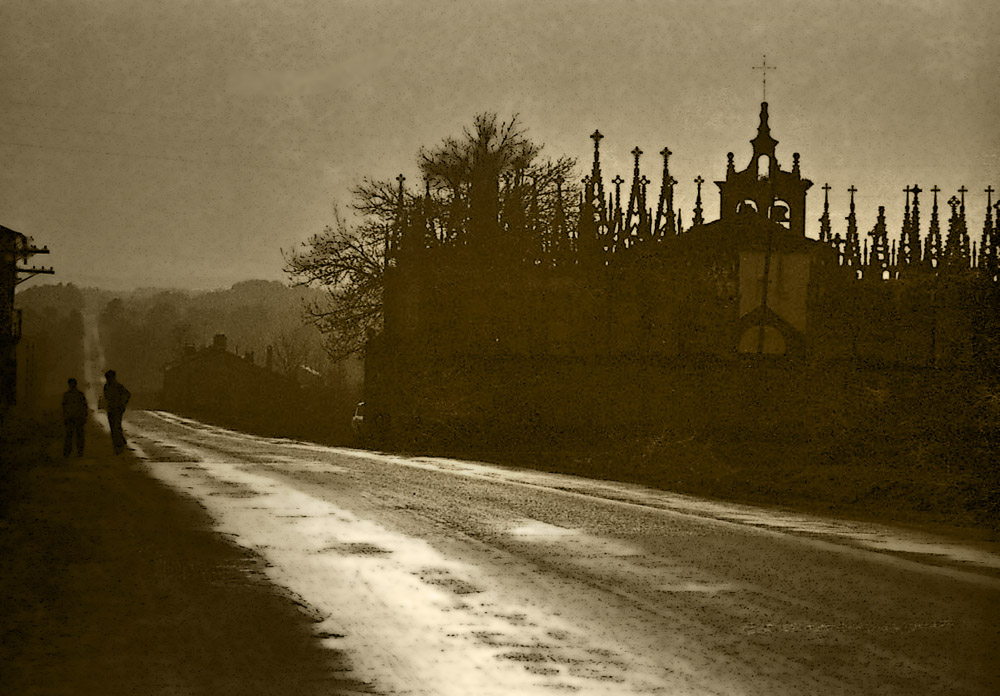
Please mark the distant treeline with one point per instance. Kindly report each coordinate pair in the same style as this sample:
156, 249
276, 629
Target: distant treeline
144, 331
51, 348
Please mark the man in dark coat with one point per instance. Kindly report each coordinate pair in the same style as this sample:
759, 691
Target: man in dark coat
75, 411
116, 397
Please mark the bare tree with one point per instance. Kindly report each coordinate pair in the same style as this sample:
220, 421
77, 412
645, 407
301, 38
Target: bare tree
484, 185
348, 263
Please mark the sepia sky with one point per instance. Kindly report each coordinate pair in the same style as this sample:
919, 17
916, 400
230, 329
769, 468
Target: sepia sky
185, 143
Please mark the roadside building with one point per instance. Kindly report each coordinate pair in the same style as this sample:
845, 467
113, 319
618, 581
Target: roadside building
216, 384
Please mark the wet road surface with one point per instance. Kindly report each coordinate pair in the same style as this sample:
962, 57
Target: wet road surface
444, 577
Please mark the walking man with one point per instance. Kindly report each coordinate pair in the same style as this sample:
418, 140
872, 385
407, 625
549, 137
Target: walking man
75, 411
116, 397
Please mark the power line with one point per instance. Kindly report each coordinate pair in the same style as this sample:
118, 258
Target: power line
153, 157
110, 134
145, 114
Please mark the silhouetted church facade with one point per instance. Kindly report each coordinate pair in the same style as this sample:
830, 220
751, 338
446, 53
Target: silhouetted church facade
597, 318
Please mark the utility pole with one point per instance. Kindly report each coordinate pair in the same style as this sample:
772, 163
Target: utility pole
15, 248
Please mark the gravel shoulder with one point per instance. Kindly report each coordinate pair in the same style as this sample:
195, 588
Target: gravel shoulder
112, 584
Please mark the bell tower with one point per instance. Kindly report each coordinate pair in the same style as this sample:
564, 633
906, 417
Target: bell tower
763, 186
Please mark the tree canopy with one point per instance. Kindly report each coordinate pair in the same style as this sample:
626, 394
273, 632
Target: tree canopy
487, 190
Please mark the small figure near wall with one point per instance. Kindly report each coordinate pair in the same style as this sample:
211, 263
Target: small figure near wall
75, 412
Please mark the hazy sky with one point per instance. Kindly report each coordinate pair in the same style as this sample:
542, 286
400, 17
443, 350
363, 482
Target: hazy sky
185, 143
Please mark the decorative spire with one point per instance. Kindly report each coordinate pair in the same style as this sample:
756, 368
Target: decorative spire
616, 222
824, 221
586, 235
879, 259
399, 197
933, 248
906, 257
665, 207
698, 217
955, 252
763, 144
393, 239
915, 225
595, 175
852, 254
838, 243
988, 242
963, 227
643, 229
634, 200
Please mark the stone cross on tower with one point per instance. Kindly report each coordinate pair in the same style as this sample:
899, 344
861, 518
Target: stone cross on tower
399, 196
596, 137
698, 217
618, 181
764, 67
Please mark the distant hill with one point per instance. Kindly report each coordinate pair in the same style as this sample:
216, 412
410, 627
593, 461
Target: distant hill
144, 330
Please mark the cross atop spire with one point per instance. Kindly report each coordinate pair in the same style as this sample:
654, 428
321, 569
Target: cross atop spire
698, 217
596, 137
636, 151
399, 194
764, 67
